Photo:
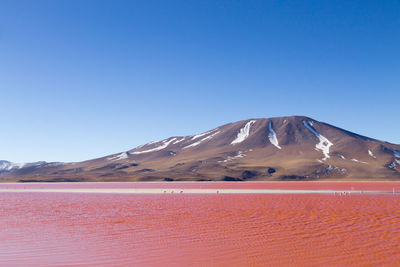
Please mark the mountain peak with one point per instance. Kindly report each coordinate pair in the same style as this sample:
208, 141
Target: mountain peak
280, 148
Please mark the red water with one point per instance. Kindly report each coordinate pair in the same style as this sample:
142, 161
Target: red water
64, 229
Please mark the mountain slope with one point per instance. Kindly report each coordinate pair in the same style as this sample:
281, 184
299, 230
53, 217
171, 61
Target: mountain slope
284, 148
6, 166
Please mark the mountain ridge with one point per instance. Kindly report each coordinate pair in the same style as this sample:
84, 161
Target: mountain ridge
278, 148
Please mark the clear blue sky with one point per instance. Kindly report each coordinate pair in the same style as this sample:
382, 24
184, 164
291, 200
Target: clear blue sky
83, 79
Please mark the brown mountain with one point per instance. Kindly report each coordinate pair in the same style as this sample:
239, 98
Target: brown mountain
284, 148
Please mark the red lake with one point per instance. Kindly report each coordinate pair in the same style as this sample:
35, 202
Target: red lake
112, 229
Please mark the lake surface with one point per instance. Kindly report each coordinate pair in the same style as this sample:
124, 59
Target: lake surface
110, 229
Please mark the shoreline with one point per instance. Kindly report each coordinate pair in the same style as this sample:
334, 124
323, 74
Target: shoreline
195, 191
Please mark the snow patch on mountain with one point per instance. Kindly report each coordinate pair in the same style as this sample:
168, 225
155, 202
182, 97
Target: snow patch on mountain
123, 155
147, 144
324, 144
179, 140
371, 154
243, 133
150, 143
394, 164
396, 154
359, 161
272, 136
201, 140
239, 154
203, 134
6, 166
164, 144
